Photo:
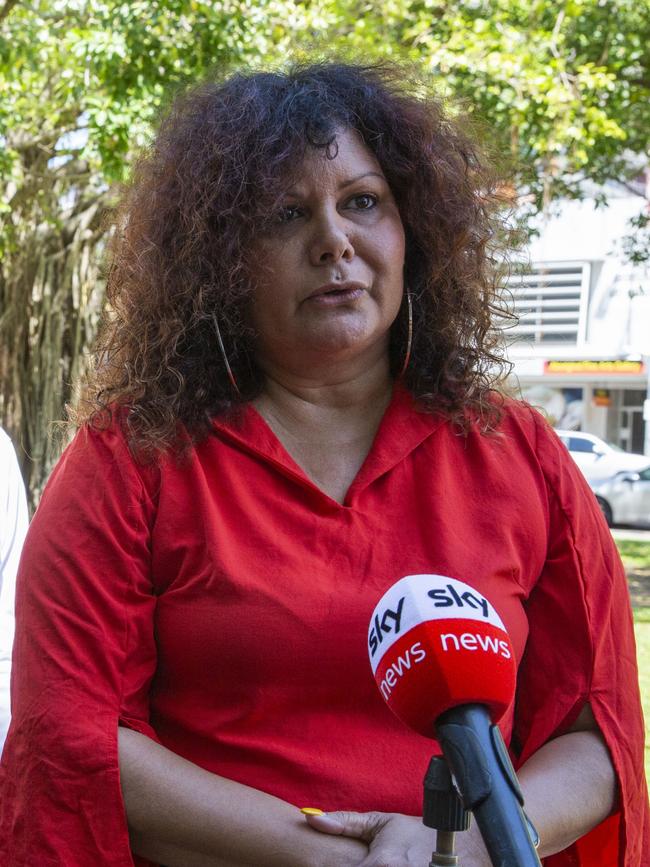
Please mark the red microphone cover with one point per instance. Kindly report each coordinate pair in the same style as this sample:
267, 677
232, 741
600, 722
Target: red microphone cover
436, 643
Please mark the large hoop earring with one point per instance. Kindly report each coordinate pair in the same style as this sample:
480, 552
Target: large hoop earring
231, 375
409, 337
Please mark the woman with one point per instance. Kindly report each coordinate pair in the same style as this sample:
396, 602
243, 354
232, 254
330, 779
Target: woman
297, 404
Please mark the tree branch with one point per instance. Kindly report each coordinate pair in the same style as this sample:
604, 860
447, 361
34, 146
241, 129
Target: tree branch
567, 80
6, 8
632, 189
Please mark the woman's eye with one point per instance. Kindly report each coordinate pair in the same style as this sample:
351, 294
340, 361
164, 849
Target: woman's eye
364, 202
288, 213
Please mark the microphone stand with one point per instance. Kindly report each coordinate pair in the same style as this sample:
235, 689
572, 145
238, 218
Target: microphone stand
487, 784
443, 810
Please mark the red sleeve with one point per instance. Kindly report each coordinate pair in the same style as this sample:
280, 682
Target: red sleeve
84, 656
581, 649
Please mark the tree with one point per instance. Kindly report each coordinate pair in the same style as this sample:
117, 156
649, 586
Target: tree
561, 88
82, 84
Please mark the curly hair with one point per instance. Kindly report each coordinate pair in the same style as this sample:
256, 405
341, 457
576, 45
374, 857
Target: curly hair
180, 256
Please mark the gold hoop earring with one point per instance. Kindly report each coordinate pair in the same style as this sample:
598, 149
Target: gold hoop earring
409, 338
231, 375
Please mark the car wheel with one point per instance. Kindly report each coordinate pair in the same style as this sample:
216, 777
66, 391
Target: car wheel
606, 510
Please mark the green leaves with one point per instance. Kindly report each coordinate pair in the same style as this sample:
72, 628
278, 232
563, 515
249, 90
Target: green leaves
561, 89
567, 80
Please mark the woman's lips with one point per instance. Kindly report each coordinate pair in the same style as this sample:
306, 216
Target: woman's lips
333, 294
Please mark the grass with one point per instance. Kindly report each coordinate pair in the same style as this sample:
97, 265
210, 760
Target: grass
636, 557
642, 632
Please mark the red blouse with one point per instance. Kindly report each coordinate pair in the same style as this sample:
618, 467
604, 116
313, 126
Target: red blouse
221, 606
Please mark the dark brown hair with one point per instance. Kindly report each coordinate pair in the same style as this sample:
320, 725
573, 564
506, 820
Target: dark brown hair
180, 253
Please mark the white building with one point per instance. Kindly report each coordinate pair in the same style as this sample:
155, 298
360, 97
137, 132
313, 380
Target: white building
582, 348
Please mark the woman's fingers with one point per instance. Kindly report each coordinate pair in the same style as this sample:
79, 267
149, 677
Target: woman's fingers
361, 826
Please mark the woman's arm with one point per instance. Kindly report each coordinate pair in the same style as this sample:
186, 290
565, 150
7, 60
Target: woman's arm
184, 816
569, 787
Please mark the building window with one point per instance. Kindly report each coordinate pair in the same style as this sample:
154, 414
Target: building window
551, 302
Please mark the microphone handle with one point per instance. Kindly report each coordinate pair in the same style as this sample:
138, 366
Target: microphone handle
487, 783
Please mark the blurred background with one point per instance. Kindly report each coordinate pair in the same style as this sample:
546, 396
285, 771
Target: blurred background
560, 89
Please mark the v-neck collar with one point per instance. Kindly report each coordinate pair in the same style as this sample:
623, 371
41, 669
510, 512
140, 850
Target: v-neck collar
404, 426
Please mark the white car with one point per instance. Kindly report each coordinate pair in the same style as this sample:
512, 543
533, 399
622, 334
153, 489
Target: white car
625, 497
598, 459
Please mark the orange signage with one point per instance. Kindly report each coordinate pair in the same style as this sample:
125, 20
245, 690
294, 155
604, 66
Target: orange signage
601, 397
618, 367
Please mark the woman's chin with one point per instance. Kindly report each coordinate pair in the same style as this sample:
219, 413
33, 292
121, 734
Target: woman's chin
347, 345
351, 341
344, 335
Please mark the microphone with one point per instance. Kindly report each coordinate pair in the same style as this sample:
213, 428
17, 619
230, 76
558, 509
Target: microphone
436, 643
445, 666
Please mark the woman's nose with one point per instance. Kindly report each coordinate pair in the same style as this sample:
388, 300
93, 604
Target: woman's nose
330, 240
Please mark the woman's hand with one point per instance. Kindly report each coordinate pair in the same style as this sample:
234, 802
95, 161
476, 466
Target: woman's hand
395, 840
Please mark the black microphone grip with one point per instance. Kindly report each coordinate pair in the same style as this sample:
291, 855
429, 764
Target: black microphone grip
487, 783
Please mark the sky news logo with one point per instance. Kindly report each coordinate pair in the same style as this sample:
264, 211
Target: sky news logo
417, 599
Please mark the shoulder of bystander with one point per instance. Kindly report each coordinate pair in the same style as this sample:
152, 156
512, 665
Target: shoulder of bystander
13, 527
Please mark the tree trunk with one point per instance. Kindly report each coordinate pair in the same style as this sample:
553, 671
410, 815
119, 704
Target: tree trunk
51, 299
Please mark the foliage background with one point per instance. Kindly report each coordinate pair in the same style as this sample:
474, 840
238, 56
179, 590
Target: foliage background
561, 87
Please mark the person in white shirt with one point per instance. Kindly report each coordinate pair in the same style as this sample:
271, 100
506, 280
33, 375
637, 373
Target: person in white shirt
13, 526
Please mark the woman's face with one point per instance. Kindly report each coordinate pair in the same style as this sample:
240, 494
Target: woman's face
330, 280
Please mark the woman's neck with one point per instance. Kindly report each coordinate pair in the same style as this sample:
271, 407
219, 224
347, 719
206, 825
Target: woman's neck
327, 428
329, 408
